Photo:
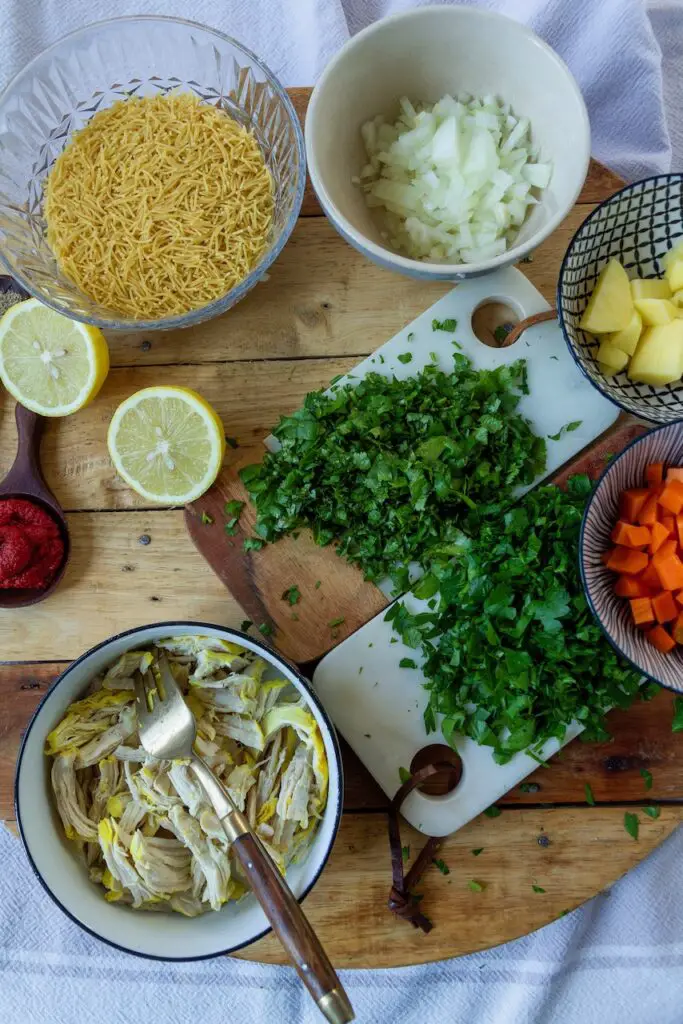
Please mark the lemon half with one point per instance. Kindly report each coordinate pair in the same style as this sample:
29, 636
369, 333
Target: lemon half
49, 363
167, 443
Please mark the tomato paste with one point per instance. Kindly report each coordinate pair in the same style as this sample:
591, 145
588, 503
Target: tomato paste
31, 545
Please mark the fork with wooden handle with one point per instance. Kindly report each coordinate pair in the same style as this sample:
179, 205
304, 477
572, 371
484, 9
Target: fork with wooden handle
167, 731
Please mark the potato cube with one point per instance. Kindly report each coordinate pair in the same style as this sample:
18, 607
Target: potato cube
650, 288
658, 360
656, 311
627, 339
610, 307
612, 360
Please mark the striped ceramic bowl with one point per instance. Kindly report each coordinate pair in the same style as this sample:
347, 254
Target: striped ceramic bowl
664, 444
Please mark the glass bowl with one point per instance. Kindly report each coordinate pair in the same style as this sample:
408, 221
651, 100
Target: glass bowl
94, 67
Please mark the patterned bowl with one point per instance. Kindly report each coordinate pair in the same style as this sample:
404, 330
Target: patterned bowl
664, 444
638, 225
93, 68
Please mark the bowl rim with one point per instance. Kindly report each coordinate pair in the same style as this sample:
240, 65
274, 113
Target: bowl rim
395, 260
589, 600
645, 414
269, 654
218, 306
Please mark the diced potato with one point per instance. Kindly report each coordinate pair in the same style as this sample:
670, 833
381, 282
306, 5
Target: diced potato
677, 298
656, 311
674, 275
610, 307
650, 288
627, 339
658, 360
612, 360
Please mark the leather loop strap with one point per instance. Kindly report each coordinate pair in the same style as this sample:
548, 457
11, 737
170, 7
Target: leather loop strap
402, 900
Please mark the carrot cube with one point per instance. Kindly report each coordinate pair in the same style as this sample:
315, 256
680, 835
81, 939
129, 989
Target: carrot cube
671, 497
669, 570
632, 586
669, 524
668, 548
648, 513
649, 578
642, 611
654, 474
664, 606
676, 473
659, 534
627, 560
631, 502
678, 595
631, 536
660, 639
678, 629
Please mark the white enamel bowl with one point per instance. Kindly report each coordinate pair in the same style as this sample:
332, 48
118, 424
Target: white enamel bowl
63, 876
423, 54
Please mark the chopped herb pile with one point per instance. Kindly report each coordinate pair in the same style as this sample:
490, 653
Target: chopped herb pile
519, 655
390, 469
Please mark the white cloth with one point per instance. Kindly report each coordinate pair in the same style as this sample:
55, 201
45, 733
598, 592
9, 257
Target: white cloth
620, 958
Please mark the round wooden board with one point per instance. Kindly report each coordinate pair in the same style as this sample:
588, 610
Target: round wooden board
323, 308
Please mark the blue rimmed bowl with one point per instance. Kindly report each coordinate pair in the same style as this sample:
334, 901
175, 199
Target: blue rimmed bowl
664, 444
637, 226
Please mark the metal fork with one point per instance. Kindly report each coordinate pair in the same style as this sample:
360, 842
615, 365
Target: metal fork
167, 732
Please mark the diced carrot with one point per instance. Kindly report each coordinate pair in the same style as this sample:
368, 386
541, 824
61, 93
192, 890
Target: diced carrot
669, 570
679, 530
678, 595
627, 560
631, 502
676, 473
669, 524
659, 534
664, 606
668, 548
631, 536
678, 629
660, 639
649, 578
633, 586
654, 474
671, 497
648, 513
642, 611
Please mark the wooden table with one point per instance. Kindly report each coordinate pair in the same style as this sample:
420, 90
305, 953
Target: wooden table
323, 309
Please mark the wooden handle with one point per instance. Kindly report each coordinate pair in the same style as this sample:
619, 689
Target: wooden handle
291, 926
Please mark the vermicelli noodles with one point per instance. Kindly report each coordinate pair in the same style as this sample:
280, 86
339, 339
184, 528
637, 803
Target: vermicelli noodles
159, 205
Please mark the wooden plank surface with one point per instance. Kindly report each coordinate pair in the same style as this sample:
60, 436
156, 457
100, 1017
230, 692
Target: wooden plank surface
323, 308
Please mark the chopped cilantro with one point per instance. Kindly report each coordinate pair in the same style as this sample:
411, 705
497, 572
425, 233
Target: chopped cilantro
647, 778
529, 787
292, 594
411, 337
253, 544
441, 865
233, 509
493, 811
407, 663
266, 629
405, 357
631, 824
207, 519
444, 325
336, 622
568, 428
476, 886
403, 774
501, 332
405, 853
475, 853
652, 812
317, 584
231, 527
590, 799
538, 888
246, 624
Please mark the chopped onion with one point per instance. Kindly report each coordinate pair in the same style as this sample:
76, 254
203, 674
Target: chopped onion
454, 180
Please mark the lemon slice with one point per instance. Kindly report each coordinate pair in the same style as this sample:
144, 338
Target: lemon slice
167, 443
49, 363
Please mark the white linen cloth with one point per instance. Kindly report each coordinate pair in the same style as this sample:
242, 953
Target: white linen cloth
619, 958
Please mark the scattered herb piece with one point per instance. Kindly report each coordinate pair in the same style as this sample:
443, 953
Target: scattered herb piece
266, 629
405, 853
441, 865
444, 325
405, 357
367, 735
631, 824
360, 671
411, 336
501, 332
456, 344
336, 622
609, 456
590, 799
529, 787
647, 778
538, 888
233, 509
231, 442
475, 853
381, 358
475, 886
292, 594
677, 724
556, 358
403, 774
492, 811
407, 663
568, 428
652, 811
231, 527
246, 624
253, 544
207, 519
317, 584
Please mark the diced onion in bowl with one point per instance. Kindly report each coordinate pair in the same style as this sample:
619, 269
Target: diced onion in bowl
454, 181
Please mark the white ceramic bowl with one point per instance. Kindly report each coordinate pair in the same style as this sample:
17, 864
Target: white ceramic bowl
63, 876
423, 54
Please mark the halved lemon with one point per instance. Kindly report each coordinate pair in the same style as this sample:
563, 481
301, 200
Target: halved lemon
49, 363
167, 443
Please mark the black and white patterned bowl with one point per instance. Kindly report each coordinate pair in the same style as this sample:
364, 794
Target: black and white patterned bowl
664, 444
637, 225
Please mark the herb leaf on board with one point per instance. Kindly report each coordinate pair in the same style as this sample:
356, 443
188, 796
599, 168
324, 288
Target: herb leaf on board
631, 824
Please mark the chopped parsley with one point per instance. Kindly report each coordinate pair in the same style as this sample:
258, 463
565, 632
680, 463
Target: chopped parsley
475, 886
231, 527
631, 824
403, 774
647, 778
333, 623
405, 357
590, 799
444, 325
475, 853
501, 332
207, 519
407, 663
266, 629
252, 543
652, 811
538, 888
233, 509
405, 853
292, 594
529, 787
568, 428
493, 811
441, 865
317, 584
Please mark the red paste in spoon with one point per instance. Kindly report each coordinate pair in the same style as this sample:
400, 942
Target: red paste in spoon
31, 545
